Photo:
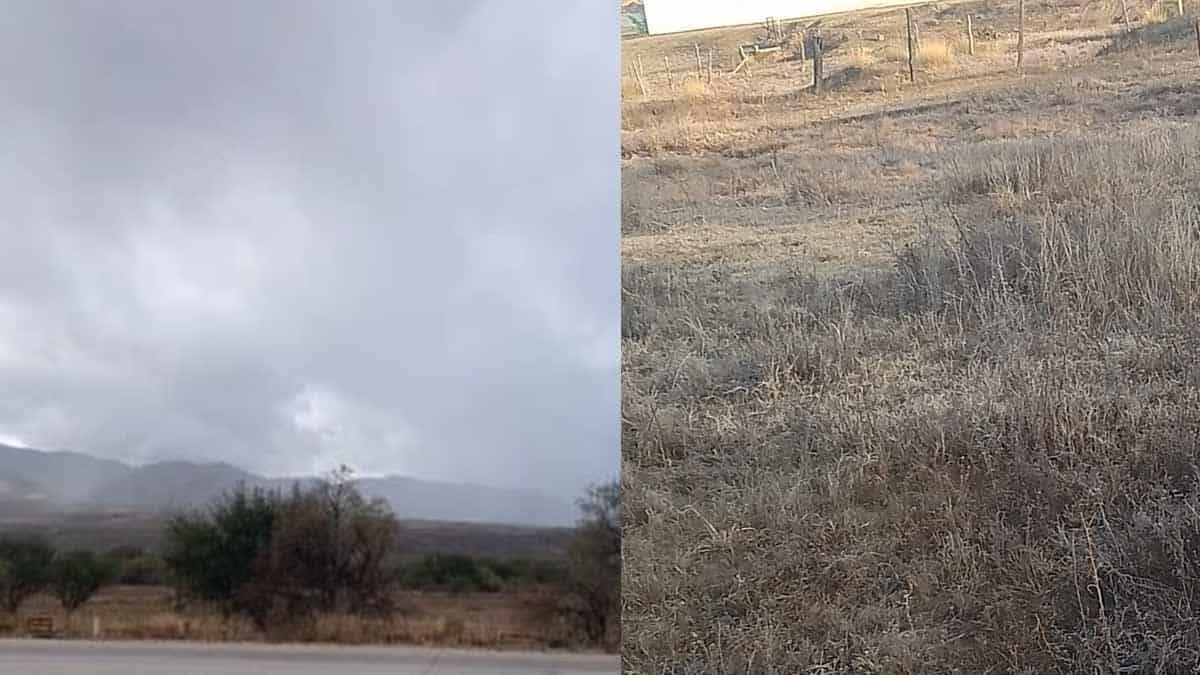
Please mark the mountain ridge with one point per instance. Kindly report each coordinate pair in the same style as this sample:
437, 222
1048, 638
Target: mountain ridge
78, 481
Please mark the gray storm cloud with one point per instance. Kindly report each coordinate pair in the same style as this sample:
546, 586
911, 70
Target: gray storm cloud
291, 234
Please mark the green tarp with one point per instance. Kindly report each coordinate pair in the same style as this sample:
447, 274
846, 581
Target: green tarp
633, 19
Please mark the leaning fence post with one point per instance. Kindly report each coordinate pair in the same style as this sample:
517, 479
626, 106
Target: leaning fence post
817, 58
912, 72
970, 37
1020, 33
637, 76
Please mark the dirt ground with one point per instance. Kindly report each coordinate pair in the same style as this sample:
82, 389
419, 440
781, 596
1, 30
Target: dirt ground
893, 355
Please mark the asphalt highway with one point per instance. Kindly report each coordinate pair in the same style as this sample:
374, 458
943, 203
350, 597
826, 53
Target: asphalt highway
63, 657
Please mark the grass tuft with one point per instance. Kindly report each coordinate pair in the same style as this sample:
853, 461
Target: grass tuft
935, 52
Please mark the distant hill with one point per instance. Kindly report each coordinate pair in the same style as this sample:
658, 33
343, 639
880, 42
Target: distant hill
63, 476
32, 480
20, 497
101, 531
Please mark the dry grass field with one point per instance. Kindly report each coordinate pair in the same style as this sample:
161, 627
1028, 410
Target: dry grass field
485, 620
910, 370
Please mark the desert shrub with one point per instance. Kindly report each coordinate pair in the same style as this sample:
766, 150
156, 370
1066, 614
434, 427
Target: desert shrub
76, 576
26, 562
329, 552
452, 572
211, 553
459, 573
520, 572
282, 559
591, 591
142, 570
124, 552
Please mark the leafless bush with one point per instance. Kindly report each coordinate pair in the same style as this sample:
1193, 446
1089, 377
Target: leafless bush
1107, 229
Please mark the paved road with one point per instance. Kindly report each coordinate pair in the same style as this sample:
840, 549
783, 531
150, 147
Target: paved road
57, 657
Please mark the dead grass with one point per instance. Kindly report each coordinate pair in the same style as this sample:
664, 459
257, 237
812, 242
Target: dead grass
906, 394
1157, 12
935, 52
630, 88
1176, 33
907, 470
695, 88
498, 621
894, 53
861, 57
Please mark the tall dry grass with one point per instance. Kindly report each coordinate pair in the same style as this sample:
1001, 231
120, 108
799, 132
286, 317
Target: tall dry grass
935, 52
1157, 12
1104, 228
861, 57
986, 459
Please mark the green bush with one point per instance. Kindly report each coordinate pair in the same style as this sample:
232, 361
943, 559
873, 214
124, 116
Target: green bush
452, 572
144, 570
276, 558
26, 562
76, 576
518, 572
124, 552
211, 554
591, 591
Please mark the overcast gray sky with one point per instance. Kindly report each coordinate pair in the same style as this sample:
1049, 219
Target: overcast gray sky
289, 234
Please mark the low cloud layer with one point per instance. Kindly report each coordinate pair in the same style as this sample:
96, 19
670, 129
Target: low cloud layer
291, 234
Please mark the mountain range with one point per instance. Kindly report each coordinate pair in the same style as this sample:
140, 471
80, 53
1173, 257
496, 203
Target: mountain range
38, 481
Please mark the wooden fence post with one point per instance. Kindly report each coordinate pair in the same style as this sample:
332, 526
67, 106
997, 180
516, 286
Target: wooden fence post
743, 62
1020, 34
637, 75
699, 63
818, 67
670, 76
912, 72
1179, 5
970, 37
1198, 36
